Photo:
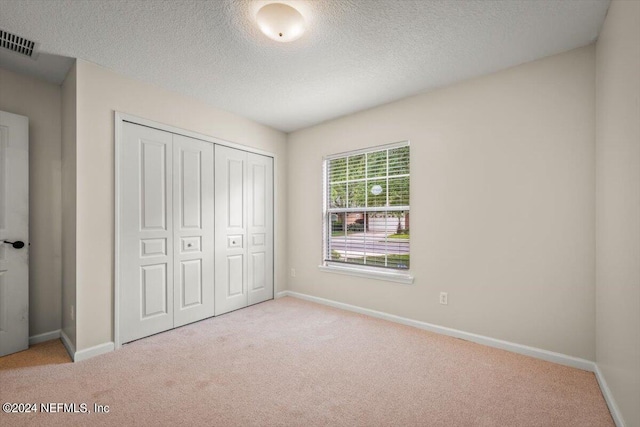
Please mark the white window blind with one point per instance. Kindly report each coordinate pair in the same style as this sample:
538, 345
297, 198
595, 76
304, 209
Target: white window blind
367, 207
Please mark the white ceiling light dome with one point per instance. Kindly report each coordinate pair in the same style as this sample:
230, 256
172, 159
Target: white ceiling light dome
281, 22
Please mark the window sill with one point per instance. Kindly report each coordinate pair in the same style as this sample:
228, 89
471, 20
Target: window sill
369, 273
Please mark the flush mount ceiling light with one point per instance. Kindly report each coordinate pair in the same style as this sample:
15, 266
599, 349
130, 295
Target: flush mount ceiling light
280, 22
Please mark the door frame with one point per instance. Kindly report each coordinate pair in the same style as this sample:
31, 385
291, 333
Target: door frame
119, 120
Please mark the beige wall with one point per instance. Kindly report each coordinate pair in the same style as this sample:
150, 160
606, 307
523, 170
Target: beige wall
618, 206
100, 92
40, 102
69, 204
502, 204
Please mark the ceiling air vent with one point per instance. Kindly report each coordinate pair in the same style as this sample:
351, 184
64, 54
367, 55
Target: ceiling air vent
18, 44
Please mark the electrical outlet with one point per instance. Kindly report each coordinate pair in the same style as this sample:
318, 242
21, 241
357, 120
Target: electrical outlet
293, 272
444, 298
72, 313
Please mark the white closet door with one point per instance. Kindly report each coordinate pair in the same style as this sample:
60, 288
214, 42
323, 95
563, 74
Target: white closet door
260, 228
230, 229
146, 217
193, 230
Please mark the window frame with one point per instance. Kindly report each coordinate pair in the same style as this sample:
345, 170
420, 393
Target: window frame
368, 271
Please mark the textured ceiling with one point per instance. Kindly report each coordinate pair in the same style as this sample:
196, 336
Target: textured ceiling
356, 54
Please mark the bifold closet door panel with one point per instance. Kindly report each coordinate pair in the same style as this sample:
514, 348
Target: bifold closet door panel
260, 228
192, 230
230, 229
146, 237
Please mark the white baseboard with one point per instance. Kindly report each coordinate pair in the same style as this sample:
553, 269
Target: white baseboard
47, 336
94, 351
87, 353
608, 397
538, 353
71, 349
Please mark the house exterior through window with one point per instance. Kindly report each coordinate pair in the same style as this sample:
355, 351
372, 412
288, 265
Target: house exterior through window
366, 218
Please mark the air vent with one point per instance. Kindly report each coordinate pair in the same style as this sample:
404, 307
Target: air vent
18, 44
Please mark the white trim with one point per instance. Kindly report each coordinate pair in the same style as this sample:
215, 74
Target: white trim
78, 356
369, 273
47, 336
274, 221
94, 351
119, 119
538, 353
325, 227
608, 397
71, 349
371, 209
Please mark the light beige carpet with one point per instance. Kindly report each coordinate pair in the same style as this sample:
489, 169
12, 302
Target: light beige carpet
295, 363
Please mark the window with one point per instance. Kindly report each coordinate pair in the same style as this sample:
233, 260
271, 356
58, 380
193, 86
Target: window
366, 221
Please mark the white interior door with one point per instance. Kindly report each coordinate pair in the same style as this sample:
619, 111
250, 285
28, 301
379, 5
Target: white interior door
146, 237
230, 229
260, 228
193, 229
14, 227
